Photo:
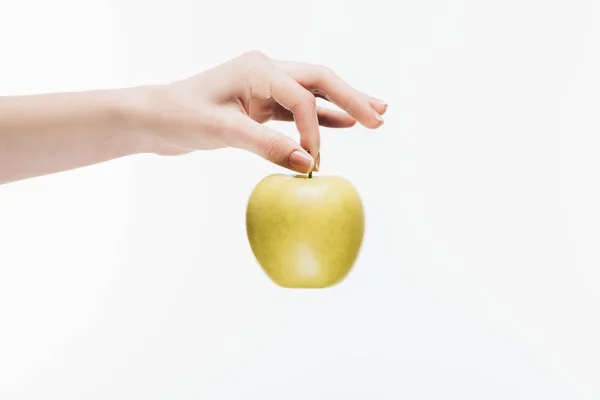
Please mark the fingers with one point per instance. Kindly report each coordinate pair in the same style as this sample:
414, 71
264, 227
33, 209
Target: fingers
301, 104
323, 82
378, 105
273, 146
295, 86
327, 117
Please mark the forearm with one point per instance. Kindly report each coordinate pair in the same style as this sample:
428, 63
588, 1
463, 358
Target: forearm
43, 134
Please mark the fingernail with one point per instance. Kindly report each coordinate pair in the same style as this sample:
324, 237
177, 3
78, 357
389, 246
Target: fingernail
380, 102
300, 161
376, 115
318, 162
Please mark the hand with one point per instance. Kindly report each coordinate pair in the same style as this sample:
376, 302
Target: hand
227, 106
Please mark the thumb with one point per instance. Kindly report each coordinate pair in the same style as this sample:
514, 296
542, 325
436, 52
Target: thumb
276, 147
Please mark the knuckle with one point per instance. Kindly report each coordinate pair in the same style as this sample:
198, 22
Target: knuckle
256, 56
226, 127
256, 66
324, 73
274, 148
325, 70
255, 69
308, 100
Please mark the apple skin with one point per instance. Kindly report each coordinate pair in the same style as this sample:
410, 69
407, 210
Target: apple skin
305, 232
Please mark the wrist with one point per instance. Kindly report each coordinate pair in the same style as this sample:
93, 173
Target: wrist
126, 111
148, 117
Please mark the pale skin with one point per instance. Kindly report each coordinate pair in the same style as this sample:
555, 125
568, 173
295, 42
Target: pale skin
226, 106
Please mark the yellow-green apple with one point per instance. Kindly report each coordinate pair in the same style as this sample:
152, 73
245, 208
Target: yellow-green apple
305, 231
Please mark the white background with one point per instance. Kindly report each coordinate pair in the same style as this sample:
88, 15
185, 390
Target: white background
479, 273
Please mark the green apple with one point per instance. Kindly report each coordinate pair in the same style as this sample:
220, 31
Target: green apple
305, 231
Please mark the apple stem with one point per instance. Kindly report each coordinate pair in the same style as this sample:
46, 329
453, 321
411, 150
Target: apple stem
311, 171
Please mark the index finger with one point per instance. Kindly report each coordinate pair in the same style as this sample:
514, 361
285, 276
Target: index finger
302, 104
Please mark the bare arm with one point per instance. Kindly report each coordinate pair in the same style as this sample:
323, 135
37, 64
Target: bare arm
43, 134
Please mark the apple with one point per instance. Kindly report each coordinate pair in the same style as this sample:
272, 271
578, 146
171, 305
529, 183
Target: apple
305, 231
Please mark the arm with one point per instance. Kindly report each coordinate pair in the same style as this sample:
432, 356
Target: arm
43, 134
222, 107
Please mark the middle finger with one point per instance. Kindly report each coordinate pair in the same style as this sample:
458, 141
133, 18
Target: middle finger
323, 82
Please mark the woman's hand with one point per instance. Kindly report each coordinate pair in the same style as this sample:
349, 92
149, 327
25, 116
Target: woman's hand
222, 107
227, 106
